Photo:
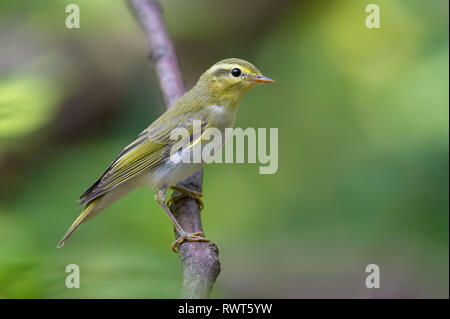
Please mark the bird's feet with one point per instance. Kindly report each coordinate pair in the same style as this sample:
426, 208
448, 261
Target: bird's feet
188, 237
184, 192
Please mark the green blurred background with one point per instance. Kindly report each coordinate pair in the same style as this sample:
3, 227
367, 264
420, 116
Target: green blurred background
363, 149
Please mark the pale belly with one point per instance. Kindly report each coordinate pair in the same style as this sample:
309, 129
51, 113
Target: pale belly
169, 173
173, 169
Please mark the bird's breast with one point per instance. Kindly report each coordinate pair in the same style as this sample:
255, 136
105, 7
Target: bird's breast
221, 116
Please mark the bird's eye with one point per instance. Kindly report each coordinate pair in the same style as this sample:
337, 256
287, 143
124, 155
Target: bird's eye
236, 72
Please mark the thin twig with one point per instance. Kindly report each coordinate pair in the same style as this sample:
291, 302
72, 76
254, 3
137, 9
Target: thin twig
199, 260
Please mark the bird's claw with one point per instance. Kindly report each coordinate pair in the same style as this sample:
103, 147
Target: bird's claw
188, 237
185, 193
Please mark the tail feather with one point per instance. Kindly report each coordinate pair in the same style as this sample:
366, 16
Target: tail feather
87, 213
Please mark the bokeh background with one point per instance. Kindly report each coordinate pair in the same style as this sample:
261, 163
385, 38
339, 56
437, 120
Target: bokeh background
363, 149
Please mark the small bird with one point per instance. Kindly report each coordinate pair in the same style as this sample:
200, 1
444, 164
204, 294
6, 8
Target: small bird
148, 160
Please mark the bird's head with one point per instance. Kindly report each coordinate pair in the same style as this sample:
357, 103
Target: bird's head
230, 79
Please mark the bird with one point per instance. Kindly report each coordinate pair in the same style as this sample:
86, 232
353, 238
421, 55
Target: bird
149, 159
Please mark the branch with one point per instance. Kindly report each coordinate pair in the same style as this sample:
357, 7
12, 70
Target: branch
199, 260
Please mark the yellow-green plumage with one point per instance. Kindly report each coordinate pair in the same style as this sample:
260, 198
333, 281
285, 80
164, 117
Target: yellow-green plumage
146, 161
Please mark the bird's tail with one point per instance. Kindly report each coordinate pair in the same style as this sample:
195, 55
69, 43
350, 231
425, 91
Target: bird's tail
88, 212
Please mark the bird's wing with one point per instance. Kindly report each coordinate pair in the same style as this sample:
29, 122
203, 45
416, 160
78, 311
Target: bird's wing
148, 149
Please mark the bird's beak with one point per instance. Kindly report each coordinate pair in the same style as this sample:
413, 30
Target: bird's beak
263, 79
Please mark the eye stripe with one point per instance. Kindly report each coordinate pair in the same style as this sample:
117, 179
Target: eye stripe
226, 68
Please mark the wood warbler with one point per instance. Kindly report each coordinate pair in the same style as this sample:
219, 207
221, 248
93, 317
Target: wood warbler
148, 159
